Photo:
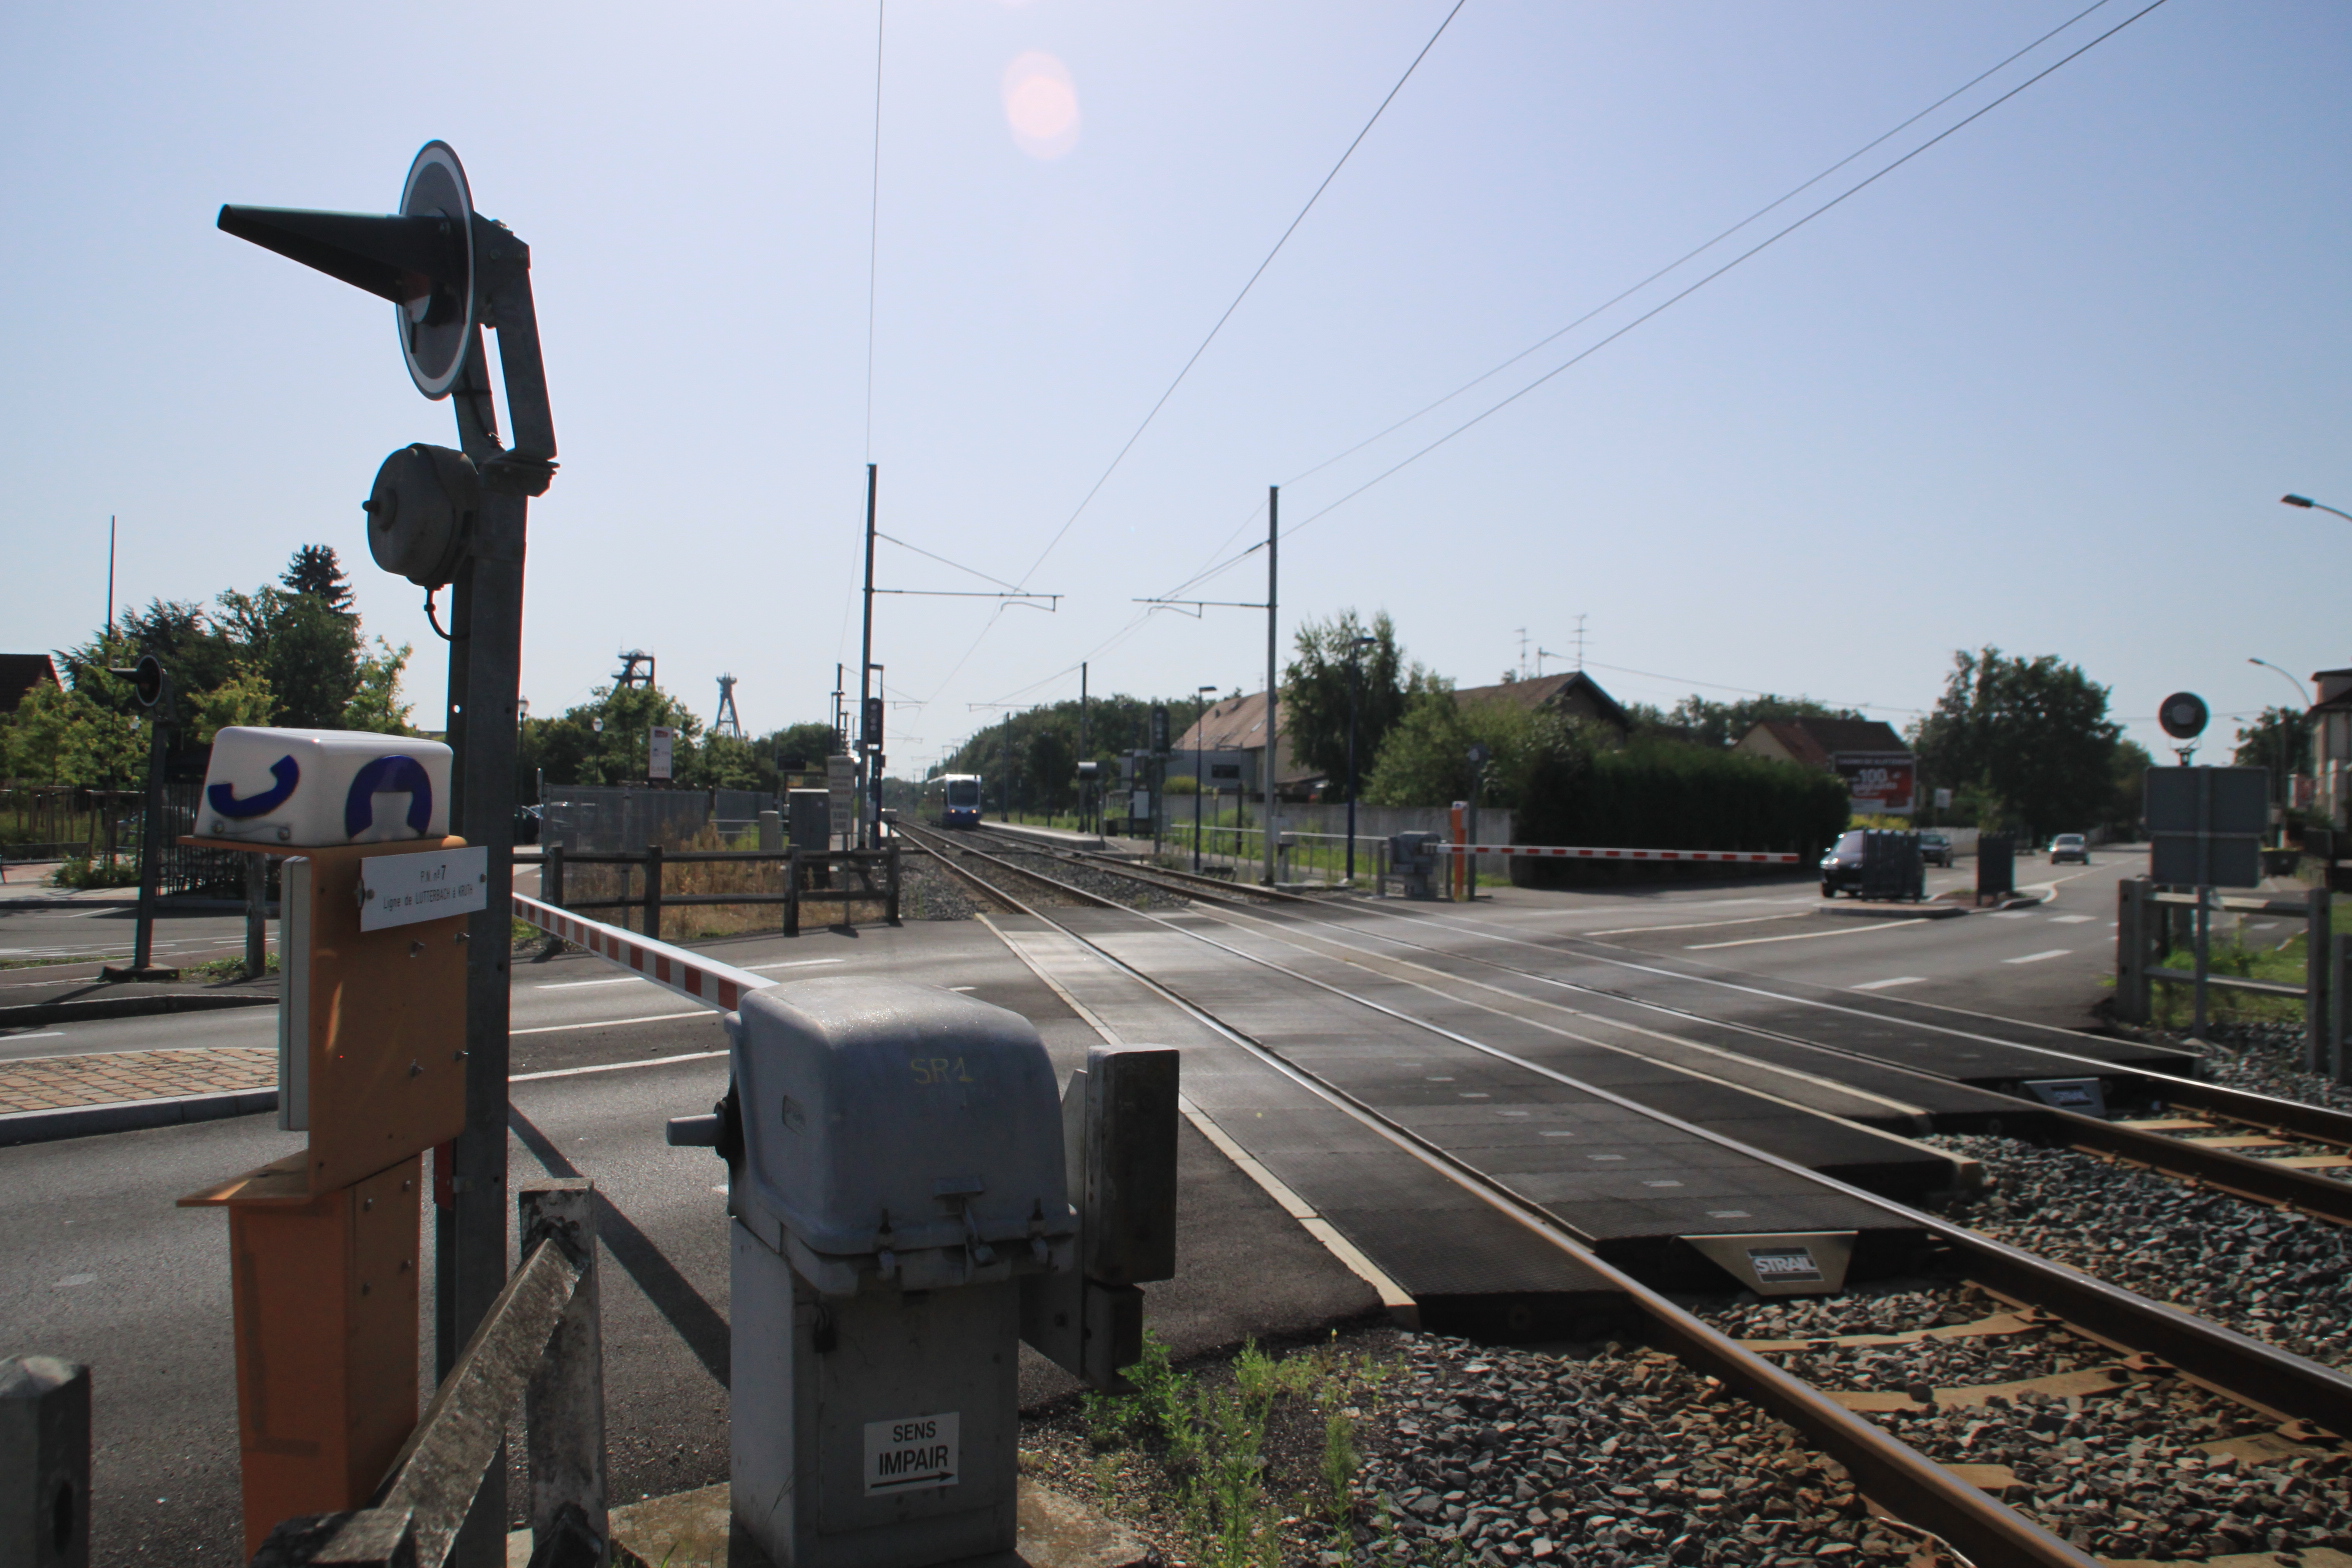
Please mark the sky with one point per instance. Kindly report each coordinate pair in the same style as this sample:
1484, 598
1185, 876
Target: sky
2039, 387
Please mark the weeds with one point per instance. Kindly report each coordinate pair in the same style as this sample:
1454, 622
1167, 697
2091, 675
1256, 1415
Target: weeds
231, 968
1210, 1438
81, 871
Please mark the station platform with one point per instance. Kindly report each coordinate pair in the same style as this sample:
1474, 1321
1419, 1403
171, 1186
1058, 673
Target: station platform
1050, 838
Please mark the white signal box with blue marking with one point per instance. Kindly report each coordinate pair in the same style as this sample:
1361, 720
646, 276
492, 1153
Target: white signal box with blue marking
315, 789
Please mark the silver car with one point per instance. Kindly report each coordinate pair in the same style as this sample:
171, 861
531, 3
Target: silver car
2069, 846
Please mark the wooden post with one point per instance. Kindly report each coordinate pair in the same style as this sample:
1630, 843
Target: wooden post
256, 914
792, 891
563, 1405
892, 905
653, 891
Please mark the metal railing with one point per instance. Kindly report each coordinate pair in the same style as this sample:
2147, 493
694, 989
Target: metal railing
540, 1350
2153, 924
809, 876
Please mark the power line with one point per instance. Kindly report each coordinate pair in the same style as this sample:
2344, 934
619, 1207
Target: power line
1088, 499
944, 561
1781, 200
1683, 294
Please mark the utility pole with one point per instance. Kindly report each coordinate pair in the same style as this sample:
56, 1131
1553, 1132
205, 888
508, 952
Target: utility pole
1273, 532
864, 839
1082, 741
109, 575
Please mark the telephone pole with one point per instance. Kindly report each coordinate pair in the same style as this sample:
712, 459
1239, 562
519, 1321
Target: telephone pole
1273, 533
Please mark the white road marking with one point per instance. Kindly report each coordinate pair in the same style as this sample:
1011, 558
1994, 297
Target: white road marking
2035, 958
610, 1023
573, 985
2070, 920
46, 1034
792, 963
1694, 925
615, 1067
72, 1280
1804, 936
1881, 985
2015, 914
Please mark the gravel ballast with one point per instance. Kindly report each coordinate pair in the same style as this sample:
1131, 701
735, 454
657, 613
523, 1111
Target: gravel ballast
2271, 1275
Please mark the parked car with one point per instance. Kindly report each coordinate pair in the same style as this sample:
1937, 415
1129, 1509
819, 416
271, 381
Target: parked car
1841, 868
1935, 850
2069, 846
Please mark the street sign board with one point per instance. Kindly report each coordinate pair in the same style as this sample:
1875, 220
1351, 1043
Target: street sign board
2205, 825
661, 752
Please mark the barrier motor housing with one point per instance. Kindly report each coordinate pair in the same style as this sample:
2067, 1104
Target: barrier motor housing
899, 1172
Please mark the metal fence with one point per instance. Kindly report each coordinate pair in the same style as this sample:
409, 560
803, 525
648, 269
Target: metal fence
607, 817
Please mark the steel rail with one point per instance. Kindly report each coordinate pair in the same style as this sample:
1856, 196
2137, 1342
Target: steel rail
2226, 1170
1887, 1470
2275, 1380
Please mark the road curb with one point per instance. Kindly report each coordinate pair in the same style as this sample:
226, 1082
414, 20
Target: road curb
84, 1121
28, 1014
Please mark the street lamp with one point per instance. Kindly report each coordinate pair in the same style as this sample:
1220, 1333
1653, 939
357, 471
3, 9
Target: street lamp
2310, 505
1355, 683
1200, 742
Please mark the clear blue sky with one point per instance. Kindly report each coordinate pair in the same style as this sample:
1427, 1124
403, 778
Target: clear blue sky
2041, 387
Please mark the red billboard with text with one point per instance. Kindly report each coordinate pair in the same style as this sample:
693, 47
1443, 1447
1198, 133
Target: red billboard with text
1879, 781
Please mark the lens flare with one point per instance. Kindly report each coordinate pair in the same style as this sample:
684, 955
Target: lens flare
1041, 105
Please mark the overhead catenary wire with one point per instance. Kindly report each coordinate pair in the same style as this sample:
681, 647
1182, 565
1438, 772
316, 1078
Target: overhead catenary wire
1260, 271
1680, 295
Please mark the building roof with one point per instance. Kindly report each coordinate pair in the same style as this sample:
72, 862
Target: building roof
1239, 724
1815, 741
1574, 692
20, 673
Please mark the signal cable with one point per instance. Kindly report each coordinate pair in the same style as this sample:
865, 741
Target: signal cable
1088, 499
1678, 297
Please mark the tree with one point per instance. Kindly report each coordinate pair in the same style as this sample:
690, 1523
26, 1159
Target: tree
2027, 741
316, 572
1725, 724
375, 702
574, 749
1425, 759
1315, 693
2280, 741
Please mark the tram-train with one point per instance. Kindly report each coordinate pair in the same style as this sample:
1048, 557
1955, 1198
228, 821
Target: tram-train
956, 797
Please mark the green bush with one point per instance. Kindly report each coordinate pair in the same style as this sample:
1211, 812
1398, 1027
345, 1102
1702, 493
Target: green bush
1663, 794
78, 872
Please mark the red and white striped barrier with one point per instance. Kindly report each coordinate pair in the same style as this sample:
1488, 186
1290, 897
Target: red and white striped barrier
689, 974
1741, 857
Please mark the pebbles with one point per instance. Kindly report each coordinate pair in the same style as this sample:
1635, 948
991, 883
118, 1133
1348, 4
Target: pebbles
2263, 1058
2126, 1473
1613, 1459
1126, 890
2268, 1274
926, 892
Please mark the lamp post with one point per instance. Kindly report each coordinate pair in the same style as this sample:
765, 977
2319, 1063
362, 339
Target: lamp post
1200, 742
1355, 685
2310, 505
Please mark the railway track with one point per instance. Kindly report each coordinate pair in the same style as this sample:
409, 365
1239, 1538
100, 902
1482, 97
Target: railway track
2283, 1153
2086, 1342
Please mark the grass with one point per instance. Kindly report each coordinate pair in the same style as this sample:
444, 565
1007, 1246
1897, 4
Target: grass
2173, 1005
230, 968
1227, 1449
85, 872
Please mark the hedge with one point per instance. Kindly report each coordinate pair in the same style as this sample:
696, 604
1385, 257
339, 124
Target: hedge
1661, 794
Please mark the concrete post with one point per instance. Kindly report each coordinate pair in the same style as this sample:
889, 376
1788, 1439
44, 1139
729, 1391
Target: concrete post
44, 1463
2131, 950
563, 1405
771, 832
2319, 992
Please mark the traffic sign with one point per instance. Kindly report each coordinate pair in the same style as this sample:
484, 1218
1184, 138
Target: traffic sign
2183, 715
437, 319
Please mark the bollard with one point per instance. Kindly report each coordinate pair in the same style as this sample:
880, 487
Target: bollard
44, 1463
771, 832
653, 891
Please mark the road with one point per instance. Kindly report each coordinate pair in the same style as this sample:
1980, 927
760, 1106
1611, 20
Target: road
108, 1271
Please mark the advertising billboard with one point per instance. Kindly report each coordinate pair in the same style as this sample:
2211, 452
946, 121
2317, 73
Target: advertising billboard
1880, 782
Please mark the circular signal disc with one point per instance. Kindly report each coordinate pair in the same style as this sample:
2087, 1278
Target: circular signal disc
2183, 715
436, 330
